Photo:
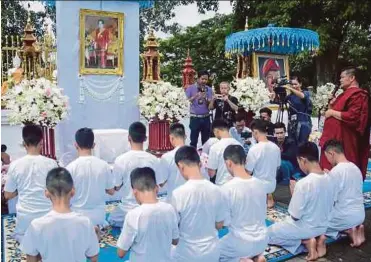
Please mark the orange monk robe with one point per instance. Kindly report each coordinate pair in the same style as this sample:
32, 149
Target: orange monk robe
353, 130
17, 76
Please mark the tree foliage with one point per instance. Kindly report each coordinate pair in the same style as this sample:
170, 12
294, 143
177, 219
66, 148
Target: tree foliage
334, 20
206, 46
163, 11
14, 19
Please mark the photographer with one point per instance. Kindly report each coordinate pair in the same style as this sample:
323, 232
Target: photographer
225, 105
300, 110
199, 96
242, 133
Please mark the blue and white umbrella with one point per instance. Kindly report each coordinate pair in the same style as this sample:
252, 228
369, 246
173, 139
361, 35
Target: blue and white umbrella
279, 40
142, 4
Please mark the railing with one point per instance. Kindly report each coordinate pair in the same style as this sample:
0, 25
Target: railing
41, 63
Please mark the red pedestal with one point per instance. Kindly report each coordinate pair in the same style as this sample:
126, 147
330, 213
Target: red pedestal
159, 141
48, 148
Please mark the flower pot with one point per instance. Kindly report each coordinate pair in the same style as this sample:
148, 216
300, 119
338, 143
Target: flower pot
48, 148
159, 141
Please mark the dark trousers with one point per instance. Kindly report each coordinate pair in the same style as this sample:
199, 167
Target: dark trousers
197, 126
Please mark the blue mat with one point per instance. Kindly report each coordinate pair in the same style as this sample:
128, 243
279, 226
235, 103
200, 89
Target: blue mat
10, 251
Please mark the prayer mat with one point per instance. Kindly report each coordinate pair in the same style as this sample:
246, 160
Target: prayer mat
11, 252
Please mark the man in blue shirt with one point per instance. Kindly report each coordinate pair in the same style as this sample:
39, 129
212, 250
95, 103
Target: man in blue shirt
242, 133
199, 96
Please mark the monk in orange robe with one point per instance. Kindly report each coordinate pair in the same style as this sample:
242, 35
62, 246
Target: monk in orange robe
347, 120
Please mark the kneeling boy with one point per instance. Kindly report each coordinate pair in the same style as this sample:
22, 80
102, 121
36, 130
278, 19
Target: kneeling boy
151, 228
26, 178
348, 213
309, 208
247, 237
61, 235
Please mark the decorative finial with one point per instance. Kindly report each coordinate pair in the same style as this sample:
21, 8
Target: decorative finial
247, 23
188, 52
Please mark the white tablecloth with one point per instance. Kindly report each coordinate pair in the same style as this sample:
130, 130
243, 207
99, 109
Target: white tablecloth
110, 143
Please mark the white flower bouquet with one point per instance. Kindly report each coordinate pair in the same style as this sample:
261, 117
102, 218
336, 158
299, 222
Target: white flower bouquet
36, 101
315, 136
323, 95
163, 101
250, 92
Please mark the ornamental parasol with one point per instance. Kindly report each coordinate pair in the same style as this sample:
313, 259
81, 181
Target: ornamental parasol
142, 4
279, 40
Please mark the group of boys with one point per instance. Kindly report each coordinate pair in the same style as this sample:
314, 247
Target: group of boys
184, 227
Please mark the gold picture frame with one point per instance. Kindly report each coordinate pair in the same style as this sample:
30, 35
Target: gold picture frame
101, 42
259, 59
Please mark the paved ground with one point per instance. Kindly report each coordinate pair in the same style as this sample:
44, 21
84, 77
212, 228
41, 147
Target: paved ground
339, 251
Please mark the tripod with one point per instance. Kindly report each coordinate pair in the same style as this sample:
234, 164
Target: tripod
282, 105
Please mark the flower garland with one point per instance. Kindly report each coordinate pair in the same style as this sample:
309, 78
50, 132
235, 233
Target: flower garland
111, 86
36, 101
250, 92
164, 101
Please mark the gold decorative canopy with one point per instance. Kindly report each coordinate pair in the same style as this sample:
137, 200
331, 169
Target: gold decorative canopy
151, 59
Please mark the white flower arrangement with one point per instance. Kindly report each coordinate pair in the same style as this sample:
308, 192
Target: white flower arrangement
250, 92
315, 136
36, 101
164, 101
323, 95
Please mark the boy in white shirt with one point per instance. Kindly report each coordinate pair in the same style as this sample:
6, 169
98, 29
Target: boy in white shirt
246, 201
92, 179
26, 178
61, 235
171, 174
348, 213
151, 228
125, 164
200, 209
215, 163
264, 158
310, 208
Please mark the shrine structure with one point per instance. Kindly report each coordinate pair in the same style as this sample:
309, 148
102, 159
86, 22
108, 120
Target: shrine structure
188, 73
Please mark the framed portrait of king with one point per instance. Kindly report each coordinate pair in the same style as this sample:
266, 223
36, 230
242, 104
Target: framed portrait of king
267, 67
101, 42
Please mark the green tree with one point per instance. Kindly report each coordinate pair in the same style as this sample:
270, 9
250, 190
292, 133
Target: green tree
206, 45
333, 20
14, 19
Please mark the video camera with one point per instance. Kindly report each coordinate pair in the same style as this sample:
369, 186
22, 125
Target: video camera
246, 135
279, 88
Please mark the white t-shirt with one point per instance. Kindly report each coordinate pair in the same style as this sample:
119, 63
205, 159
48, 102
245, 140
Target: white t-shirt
199, 204
122, 169
91, 177
246, 202
312, 201
216, 160
28, 176
348, 183
61, 237
263, 160
171, 172
148, 231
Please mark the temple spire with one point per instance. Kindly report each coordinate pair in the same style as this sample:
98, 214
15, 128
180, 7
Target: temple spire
247, 23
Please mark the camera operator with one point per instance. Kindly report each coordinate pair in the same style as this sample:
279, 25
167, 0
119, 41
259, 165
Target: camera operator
225, 105
242, 133
300, 110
